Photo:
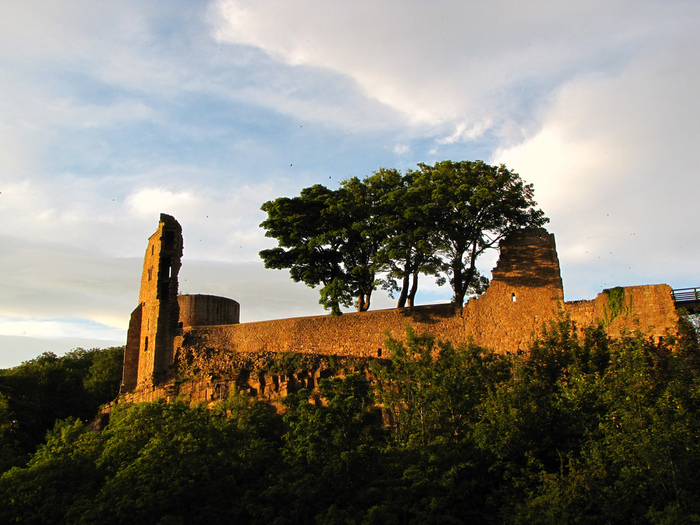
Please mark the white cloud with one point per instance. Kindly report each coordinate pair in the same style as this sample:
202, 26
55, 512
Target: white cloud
150, 202
457, 62
463, 132
56, 329
614, 167
17, 349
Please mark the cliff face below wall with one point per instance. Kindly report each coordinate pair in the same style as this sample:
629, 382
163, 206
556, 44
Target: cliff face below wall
206, 376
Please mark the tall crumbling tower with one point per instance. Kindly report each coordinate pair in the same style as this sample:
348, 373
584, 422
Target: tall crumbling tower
154, 322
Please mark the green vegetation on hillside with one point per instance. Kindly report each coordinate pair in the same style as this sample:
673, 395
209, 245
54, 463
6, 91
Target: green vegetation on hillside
36, 393
388, 228
579, 430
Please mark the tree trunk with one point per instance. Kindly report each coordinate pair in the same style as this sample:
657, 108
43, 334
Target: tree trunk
414, 289
404, 291
363, 302
458, 283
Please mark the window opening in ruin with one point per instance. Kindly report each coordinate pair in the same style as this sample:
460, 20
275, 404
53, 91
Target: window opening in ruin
379, 352
513, 297
152, 249
145, 344
150, 273
165, 268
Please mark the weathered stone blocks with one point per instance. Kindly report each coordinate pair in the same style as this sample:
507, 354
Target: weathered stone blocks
200, 334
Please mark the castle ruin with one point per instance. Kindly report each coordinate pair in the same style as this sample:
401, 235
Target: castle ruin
526, 292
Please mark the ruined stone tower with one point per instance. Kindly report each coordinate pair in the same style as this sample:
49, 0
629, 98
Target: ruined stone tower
157, 322
528, 262
154, 322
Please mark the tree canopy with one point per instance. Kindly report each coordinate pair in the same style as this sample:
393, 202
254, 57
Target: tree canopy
388, 228
36, 393
580, 429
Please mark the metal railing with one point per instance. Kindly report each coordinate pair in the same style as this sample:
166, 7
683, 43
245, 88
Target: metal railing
686, 295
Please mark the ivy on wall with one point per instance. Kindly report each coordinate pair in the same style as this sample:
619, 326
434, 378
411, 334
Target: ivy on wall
616, 304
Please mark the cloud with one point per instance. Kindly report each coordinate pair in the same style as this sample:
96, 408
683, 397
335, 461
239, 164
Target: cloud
473, 65
17, 349
613, 164
401, 149
39, 280
463, 132
152, 201
59, 328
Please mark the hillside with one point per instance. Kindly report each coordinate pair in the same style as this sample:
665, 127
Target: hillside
580, 429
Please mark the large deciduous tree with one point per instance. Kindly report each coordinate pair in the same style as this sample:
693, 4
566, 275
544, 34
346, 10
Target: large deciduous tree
329, 238
471, 207
305, 231
356, 207
389, 227
407, 248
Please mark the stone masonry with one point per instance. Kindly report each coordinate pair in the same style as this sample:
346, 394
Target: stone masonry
154, 322
525, 294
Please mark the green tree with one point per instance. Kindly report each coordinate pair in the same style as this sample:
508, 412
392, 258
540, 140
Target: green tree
431, 390
153, 463
48, 388
171, 460
58, 483
10, 455
408, 241
472, 206
357, 208
435, 221
307, 245
331, 455
432, 394
105, 374
328, 238
640, 462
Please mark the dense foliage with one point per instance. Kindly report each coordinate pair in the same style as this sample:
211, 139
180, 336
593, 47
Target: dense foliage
580, 430
389, 228
36, 393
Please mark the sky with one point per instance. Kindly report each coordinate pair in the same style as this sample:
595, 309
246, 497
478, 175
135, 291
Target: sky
113, 112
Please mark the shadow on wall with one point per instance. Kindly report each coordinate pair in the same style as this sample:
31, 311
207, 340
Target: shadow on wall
427, 315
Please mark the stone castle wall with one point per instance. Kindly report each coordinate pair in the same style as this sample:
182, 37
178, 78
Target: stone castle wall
648, 309
491, 321
525, 294
361, 334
